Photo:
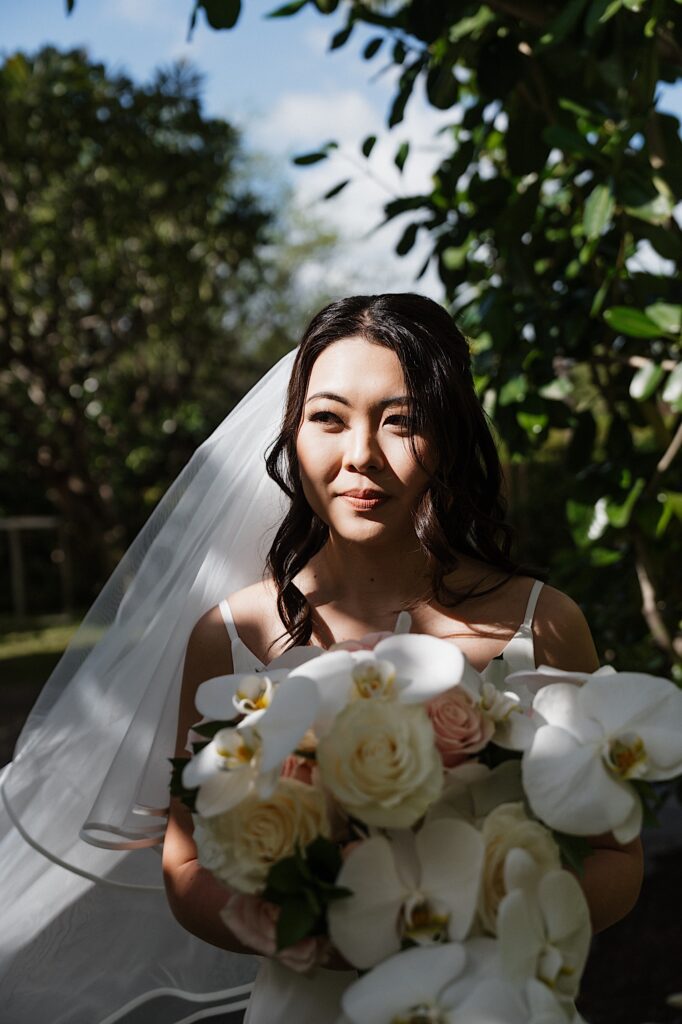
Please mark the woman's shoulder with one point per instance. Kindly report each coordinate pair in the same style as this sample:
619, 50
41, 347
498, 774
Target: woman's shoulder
561, 634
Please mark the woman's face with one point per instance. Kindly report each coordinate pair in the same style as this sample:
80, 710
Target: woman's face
354, 436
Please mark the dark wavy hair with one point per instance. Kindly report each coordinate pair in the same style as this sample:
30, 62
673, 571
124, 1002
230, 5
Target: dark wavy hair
462, 510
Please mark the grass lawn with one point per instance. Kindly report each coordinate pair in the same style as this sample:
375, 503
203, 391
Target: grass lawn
31, 647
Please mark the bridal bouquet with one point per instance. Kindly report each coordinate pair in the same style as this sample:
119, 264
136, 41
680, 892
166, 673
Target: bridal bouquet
383, 800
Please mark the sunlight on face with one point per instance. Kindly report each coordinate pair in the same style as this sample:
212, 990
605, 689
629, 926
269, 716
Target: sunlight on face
354, 435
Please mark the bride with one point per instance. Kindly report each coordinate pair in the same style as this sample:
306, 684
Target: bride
395, 507
267, 540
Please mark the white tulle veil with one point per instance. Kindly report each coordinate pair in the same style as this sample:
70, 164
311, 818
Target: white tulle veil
83, 802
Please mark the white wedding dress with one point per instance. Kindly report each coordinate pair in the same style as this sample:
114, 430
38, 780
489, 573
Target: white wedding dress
138, 965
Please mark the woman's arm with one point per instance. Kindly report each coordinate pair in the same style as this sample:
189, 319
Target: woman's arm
194, 896
612, 875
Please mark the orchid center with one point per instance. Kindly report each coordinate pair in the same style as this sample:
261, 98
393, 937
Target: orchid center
553, 966
421, 922
373, 679
255, 694
626, 756
234, 755
422, 1013
497, 705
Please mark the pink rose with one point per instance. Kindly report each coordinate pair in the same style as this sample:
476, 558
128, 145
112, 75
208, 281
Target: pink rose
253, 921
460, 727
303, 769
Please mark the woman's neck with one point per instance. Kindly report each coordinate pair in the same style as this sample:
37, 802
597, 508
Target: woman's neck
368, 577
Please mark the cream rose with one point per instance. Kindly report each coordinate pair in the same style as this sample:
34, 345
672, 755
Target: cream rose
380, 763
460, 727
240, 846
508, 827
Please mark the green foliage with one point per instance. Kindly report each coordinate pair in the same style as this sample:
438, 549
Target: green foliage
303, 885
561, 171
144, 287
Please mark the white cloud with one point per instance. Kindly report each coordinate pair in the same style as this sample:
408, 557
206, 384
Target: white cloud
303, 121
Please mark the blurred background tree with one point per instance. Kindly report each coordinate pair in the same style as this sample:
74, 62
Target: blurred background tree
144, 287
553, 229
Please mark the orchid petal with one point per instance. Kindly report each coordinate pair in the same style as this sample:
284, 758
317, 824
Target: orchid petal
451, 857
567, 915
202, 767
224, 791
631, 826
214, 697
364, 926
520, 934
561, 704
427, 666
414, 976
333, 678
569, 787
287, 719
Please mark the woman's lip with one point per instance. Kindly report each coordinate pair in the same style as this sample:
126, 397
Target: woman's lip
365, 503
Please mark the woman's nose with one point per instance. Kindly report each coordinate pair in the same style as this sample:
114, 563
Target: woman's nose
363, 450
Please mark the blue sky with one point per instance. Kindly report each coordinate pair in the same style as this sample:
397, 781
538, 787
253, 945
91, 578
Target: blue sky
276, 80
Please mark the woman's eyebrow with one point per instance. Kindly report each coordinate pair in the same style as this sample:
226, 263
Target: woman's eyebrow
383, 404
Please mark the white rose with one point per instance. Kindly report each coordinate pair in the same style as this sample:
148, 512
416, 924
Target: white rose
508, 827
240, 846
380, 762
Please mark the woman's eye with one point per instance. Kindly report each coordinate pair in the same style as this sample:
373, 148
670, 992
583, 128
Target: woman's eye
405, 421
323, 417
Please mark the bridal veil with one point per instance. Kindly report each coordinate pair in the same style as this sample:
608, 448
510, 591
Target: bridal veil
86, 934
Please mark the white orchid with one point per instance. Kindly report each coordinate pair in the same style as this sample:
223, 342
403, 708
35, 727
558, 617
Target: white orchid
596, 738
472, 790
543, 925
223, 697
448, 984
248, 757
410, 668
422, 887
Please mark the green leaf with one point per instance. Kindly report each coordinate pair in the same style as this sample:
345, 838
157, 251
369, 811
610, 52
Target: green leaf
399, 52
314, 158
407, 80
598, 211
472, 26
656, 211
337, 188
631, 321
324, 858
619, 515
569, 141
287, 9
645, 381
574, 851
600, 557
513, 390
296, 920
407, 239
401, 155
667, 316
442, 88
587, 522
284, 878
368, 145
599, 13
372, 47
222, 13
672, 392
340, 38
562, 25
672, 506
